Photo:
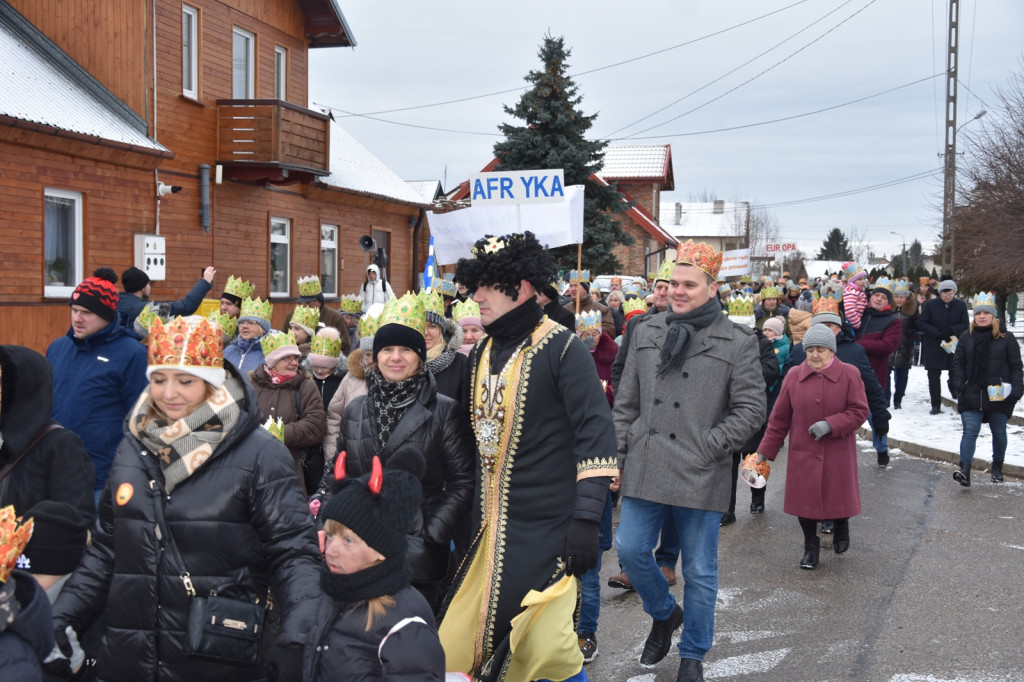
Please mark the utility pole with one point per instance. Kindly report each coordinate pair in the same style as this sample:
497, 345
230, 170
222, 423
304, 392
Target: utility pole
949, 188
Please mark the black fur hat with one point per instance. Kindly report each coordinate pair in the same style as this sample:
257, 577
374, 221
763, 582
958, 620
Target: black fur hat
503, 262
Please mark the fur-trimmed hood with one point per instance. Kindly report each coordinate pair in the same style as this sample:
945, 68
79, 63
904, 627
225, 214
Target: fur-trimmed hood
452, 331
355, 366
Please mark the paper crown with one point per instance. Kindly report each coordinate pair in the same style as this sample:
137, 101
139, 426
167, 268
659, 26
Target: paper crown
770, 292
228, 324
616, 280
700, 255
276, 427
631, 304
193, 342
368, 325
326, 346
491, 245
351, 304
852, 269
305, 316
466, 309
825, 304
633, 288
924, 280
14, 535
985, 298
578, 276
588, 321
432, 302
409, 310
254, 307
145, 320
309, 286
665, 271
274, 340
447, 286
236, 286
883, 283
741, 306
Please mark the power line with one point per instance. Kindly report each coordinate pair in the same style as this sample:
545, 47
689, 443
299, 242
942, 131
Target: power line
860, 190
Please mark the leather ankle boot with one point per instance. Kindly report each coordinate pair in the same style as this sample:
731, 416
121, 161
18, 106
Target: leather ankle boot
841, 540
757, 500
963, 474
690, 670
997, 472
659, 641
810, 560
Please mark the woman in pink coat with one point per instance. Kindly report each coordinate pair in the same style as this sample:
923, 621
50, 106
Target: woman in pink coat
821, 405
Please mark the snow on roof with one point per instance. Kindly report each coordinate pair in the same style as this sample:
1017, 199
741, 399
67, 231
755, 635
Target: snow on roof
822, 268
686, 220
354, 168
41, 84
636, 161
427, 189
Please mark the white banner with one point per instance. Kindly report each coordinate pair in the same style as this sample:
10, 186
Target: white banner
735, 263
517, 187
554, 224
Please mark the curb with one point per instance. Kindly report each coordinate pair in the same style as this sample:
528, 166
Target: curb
928, 452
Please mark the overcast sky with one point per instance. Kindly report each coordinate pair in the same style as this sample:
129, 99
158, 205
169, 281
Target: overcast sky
719, 64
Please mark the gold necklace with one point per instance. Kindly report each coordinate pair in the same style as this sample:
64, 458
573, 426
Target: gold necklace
493, 404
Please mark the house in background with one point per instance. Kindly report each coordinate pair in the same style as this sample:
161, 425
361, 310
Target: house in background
172, 136
721, 224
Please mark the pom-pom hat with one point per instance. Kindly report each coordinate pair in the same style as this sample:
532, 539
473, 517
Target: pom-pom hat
190, 344
98, 294
820, 335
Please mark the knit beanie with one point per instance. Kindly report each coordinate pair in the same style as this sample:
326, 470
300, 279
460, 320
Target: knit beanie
820, 335
134, 279
366, 344
901, 288
98, 294
58, 540
394, 334
805, 301
947, 285
776, 324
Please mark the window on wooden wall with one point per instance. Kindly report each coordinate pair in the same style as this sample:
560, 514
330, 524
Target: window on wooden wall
190, 51
62, 241
280, 242
329, 259
243, 74
280, 72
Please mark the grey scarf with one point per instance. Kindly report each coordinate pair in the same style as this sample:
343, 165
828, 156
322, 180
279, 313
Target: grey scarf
681, 328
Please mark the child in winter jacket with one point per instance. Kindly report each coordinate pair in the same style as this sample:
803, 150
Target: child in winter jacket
854, 298
372, 624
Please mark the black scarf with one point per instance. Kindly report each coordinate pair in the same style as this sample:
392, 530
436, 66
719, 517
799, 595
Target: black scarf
389, 401
510, 329
386, 578
982, 352
681, 328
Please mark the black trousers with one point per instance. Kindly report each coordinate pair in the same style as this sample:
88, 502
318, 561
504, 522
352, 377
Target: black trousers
934, 387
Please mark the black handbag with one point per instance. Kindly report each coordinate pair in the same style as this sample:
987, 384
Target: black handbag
219, 628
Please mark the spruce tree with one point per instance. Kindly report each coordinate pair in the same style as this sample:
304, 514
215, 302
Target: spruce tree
553, 137
835, 247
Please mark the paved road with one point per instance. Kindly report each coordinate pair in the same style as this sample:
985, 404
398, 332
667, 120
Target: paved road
931, 590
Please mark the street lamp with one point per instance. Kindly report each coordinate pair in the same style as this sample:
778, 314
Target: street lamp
905, 273
949, 194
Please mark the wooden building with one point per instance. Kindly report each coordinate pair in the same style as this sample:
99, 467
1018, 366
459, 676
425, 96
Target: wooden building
175, 134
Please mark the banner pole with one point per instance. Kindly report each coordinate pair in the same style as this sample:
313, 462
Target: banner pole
579, 264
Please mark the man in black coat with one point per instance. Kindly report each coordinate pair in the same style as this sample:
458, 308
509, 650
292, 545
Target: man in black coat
548, 299
941, 319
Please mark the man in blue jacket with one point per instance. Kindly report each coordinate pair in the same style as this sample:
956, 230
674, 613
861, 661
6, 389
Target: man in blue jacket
137, 289
99, 370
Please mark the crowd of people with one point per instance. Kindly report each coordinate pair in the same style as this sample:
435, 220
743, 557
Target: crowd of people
421, 487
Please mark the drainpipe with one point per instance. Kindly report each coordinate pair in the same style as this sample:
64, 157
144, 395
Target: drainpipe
416, 241
204, 196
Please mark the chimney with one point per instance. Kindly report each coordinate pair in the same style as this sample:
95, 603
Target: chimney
719, 206
679, 213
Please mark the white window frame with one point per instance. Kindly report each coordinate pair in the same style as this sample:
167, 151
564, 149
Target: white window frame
286, 240
64, 291
329, 244
280, 72
190, 52
250, 57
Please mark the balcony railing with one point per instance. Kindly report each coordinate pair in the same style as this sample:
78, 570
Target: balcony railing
271, 141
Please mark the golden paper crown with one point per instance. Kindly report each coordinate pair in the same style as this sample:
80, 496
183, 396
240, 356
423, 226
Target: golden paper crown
588, 321
492, 245
825, 304
326, 346
306, 316
368, 325
633, 288
276, 427
614, 281
145, 319
985, 298
882, 283
631, 304
446, 286
14, 535
191, 341
432, 302
578, 276
770, 292
274, 340
701, 255
351, 304
254, 307
228, 324
463, 309
309, 286
408, 310
238, 287
665, 271
741, 306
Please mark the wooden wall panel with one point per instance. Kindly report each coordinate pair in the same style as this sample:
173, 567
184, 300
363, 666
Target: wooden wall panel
34, 326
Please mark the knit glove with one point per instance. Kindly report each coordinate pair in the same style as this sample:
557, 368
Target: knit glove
581, 547
881, 427
820, 429
67, 656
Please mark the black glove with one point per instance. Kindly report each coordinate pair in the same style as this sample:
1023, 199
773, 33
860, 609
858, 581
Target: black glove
881, 427
946, 334
581, 547
288, 660
58, 663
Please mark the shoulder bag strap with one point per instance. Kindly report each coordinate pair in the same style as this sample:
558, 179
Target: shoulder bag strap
163, 532
39, 436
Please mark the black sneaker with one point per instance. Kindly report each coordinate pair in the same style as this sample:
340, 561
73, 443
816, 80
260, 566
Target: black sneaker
588, 646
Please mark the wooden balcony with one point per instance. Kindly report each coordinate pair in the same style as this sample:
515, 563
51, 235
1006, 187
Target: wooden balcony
269, 141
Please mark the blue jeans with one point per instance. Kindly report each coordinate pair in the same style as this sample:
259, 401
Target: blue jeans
640, 522
667, 553
900, 377
881, 443
590, 582
971, 421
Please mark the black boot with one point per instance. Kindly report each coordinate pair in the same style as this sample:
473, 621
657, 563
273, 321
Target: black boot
841, 540
936, 410
810, 560
659, 641
997, 472
690, 670
827, 527
727, 518
757, 500
883, 458
963, 474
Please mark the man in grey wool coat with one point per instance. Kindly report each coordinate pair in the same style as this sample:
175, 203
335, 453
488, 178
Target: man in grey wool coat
691, 393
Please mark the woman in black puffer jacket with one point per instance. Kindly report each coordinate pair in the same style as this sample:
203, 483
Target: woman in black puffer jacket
404, 408
194, 446
986, 359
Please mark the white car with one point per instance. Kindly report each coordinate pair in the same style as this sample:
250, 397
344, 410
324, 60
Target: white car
605, 282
